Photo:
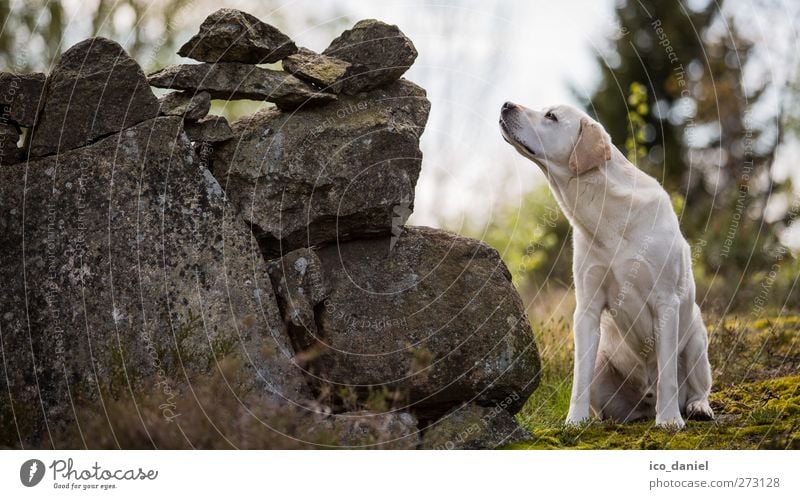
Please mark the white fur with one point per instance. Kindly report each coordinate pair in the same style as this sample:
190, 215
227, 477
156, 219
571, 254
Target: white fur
640, 342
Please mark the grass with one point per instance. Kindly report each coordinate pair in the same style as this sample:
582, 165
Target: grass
756, 392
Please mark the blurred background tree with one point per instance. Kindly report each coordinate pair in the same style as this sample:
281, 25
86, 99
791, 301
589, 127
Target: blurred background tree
709, 136
35, 32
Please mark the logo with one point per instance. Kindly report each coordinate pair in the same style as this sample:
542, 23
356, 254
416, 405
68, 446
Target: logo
31, 472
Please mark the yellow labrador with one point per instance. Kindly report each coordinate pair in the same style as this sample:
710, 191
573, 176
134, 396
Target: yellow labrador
640, 343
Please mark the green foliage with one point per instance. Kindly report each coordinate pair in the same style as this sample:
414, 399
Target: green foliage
637, 113
756, 395
533, 240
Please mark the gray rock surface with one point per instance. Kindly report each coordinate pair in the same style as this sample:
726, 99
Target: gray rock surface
9, 152
230, 35
325, 174
95, 89
151, 274
473, 427
379, 54
327, 73
369, 430
435, 318
233, 81
209, 129
190, 106
20, 95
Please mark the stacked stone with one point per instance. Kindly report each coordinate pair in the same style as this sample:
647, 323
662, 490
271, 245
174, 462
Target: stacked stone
286, 243
20, 96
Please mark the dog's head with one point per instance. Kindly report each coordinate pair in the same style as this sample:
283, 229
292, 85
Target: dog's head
559, 137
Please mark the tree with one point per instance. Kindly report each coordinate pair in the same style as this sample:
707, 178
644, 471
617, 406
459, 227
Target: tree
701, 136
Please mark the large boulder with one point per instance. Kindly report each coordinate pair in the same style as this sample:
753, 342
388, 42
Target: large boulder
123, 261
434, 318
333, 173
230, 35
234, 81
474, 427
378, 53
96, 89
20, 95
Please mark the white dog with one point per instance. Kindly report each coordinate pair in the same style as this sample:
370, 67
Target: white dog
640, 342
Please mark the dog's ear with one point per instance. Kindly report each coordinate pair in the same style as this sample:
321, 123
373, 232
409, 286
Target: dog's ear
592, 149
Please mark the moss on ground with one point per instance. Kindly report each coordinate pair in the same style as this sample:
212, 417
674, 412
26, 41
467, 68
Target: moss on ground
756, 398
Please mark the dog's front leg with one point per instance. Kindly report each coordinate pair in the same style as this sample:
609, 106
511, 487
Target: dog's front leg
587, 338
668, 412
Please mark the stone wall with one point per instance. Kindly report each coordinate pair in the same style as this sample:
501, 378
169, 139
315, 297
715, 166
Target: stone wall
145, 244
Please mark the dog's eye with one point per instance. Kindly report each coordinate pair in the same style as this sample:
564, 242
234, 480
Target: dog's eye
550, 116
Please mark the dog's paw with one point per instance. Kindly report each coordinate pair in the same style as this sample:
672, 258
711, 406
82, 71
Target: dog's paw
699, 410
670, 422
575, 421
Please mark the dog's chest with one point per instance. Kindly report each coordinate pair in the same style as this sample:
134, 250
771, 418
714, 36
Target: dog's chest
628, 288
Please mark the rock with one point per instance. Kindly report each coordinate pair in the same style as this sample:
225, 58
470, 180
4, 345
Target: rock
293, 278
230, 35
435, 318
191, 106
332, 173
95, 89
9, 152
232, 81
326, 73
135, 266
380, 53
368, 430
20, 96
209, 129
474, 427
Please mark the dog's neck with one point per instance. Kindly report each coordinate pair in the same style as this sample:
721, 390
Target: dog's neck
598, 203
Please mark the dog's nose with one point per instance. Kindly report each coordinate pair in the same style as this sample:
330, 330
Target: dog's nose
508, 105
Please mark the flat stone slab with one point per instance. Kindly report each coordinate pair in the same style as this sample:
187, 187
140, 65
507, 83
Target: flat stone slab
325, 72
190, 106
233, 81
209, 129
